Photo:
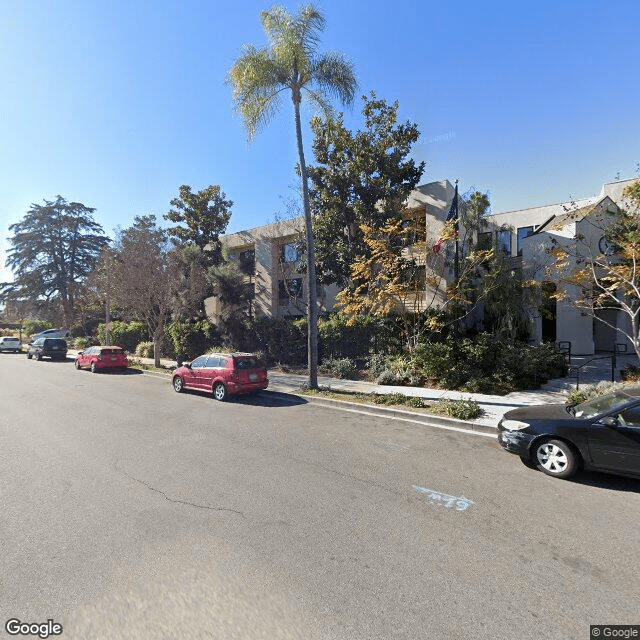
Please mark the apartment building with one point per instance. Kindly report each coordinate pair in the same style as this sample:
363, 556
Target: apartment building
269, 257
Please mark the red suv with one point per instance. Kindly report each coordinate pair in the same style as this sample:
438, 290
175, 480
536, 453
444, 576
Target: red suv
96, 358
222, 374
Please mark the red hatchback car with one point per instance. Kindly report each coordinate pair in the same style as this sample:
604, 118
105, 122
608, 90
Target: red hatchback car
98, 358
222, 374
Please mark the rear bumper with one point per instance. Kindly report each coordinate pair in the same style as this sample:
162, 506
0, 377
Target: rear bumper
110, 365
235, 387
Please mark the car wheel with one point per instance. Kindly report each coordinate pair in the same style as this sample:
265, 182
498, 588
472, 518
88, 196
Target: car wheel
38, 356
93, 367
556, 458
77, 364
29, 355
219, 392
178, 384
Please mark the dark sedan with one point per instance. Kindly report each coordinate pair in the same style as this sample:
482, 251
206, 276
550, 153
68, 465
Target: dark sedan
601, 434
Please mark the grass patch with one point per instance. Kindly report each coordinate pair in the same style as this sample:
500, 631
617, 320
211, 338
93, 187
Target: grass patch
140, 366
460, 409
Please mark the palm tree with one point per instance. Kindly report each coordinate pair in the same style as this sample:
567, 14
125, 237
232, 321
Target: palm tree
291, 63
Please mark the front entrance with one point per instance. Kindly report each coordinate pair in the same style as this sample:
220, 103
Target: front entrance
604, 329
548, 312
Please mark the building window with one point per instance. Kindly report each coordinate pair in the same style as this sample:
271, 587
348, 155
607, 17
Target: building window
485, 240
289, 289
523, 232
247, 261
503, 241
290, 252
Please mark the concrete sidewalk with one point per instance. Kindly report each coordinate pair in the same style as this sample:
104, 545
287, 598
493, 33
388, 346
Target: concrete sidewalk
494, 406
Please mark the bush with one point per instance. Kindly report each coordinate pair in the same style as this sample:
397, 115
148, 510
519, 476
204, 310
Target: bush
461, 409
123, 334
29, 327
144, 350
83, 342
191, 338
341, 368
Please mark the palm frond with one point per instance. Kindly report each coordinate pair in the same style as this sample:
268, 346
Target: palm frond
334, 75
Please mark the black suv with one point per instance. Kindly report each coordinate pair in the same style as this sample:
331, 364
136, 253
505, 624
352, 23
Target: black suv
53, 348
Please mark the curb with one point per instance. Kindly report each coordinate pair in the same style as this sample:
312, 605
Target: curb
428, 420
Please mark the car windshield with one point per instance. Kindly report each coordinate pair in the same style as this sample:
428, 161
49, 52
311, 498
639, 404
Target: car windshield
601, 404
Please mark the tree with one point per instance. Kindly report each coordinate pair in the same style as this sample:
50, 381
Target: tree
362, 178
600, 268
145, 275
291, 63
54, 247
233, 297
206, 215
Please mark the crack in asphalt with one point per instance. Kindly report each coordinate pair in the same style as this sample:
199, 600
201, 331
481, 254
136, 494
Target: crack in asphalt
185, 502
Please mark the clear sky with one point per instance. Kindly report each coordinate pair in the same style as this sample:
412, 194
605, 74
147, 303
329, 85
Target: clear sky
115, 103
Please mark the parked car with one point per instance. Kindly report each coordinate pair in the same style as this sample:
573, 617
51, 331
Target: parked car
222, 374
98, 358
601, 434
9, 344
54, 348
51, 333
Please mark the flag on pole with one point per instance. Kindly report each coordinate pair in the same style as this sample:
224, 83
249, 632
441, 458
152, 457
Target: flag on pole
452, 215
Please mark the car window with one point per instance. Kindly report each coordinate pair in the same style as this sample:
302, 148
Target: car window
111, 351
223, 363
630, 417
247, 362
213, 362
199, 363
601, 404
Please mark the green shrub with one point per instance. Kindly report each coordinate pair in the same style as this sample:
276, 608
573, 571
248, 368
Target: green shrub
29, 327
461, 409
82, 342
191, 338
341, 368
123, 334
576, 396
144, 350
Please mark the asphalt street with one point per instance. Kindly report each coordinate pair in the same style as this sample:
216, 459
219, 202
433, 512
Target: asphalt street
131, 511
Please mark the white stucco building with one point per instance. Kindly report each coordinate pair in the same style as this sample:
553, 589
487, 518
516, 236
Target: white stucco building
271, 262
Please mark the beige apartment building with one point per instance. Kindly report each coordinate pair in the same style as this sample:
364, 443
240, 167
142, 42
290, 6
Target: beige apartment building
268, 255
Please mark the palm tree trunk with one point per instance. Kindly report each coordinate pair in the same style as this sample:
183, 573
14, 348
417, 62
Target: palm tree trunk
312, 307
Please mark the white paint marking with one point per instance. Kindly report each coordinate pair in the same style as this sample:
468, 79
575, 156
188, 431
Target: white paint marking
461, 503
424, 424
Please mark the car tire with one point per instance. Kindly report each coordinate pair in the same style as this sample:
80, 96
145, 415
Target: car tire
38, 356
178, 384
556, 458
219, 392
29, 355
77, 364
93, 368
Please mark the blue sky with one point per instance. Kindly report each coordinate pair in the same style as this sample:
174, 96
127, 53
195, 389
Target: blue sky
116, 103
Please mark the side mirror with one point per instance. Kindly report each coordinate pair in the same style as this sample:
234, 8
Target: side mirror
80, 353
609, 421
187, 365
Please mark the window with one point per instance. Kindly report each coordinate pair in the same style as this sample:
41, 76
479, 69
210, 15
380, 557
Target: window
523, 232
630, 417
288, 289
503, 241
290, 252
247, 261
199, 363
485, 240
213, 362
